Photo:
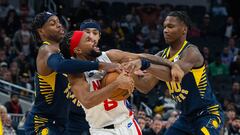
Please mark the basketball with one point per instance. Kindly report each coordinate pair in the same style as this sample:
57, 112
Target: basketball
118, 95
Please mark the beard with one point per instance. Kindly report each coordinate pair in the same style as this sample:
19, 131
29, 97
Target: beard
95, 54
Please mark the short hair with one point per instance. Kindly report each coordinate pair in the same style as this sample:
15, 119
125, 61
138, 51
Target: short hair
182, 16
90, 23
39, 20
65, 45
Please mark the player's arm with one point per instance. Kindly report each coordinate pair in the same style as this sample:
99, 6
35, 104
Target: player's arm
89, 99
157, 59
121, 56
145, 83
50, 59
190, 58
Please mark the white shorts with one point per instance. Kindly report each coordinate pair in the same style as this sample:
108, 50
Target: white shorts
128, 127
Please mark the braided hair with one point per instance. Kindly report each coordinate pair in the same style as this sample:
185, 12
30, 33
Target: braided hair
65, 45
182, 16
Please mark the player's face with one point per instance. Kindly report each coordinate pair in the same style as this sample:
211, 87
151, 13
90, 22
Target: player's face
88, 47
53, 29
94, 34
174, 29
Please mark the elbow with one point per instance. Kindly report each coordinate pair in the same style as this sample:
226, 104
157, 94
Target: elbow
87, 104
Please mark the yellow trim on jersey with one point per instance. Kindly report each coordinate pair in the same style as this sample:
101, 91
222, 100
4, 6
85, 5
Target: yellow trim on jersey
46, 42
49, 79
205, 131
1, 127
39, 122
198, 74
176, 54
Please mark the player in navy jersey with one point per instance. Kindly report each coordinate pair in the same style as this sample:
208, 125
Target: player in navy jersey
201, 114
49, 113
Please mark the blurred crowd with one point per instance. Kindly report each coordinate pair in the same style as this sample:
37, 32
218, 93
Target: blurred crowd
136, 28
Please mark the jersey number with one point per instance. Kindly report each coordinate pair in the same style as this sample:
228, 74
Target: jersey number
110, 104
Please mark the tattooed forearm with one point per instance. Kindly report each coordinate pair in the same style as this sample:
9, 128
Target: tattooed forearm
156, 59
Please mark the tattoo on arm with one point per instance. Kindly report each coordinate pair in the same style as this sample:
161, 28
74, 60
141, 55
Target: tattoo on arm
191, 58
156, 59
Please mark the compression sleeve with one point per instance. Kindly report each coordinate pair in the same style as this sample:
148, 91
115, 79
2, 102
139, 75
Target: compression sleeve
70, 66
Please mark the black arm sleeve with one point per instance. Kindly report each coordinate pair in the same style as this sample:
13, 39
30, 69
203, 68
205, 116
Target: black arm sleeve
70, 66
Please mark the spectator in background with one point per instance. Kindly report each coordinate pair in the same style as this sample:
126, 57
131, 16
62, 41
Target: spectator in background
4, 8
24, 10
235, 96
14, 69
207, 55
11, 23
22, 37
218, 8
13, 106
141, 122
205, 26
235, 67
233, 50
226, 56
155, 129
217, 68
230, 28
8, 128
25, 81
3, 68
3, 114
3, 57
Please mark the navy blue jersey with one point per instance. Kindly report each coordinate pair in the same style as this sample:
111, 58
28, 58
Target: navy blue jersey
51, 104
194, 93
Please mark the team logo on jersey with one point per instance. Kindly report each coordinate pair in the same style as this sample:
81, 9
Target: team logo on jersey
129, 124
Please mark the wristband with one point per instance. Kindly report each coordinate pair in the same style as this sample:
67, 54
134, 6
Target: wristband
145, 64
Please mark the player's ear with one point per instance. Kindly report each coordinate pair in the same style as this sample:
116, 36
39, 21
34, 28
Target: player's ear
77, 50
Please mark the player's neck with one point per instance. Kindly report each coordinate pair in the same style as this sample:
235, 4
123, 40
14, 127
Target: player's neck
52, 42
177, 45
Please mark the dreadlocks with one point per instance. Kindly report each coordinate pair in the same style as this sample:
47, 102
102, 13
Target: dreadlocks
65, 45
182, 16
38, 22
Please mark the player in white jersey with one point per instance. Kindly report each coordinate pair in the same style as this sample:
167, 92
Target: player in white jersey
113, 117
107, 117
104, 116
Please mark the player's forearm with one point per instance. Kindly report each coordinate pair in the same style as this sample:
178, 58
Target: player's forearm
156, 59
91, 99
69, 66
145, 83
160, 72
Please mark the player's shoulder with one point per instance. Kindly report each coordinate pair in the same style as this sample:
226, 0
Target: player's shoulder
48, 48
161, 52
192, 48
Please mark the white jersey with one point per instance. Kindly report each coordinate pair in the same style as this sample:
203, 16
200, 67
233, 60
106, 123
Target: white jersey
108, 112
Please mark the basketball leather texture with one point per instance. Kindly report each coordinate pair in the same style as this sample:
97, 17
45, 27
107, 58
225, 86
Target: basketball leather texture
118, 95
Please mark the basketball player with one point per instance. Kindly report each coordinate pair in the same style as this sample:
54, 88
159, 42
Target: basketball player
201, 114
50, 110
77, 124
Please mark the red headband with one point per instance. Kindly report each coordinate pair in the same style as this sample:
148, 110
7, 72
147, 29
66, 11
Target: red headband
76, 37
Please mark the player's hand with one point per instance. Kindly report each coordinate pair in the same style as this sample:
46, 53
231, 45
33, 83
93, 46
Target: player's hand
132, 66
110, 67
125, 81
139, 72
177, 73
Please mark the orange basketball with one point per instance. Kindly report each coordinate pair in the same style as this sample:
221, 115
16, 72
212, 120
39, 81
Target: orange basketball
118, 95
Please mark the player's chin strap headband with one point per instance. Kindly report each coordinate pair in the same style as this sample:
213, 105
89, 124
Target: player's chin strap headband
76, 37
86, 25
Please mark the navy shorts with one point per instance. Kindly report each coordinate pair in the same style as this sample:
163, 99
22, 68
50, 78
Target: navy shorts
203, 125
45, 128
